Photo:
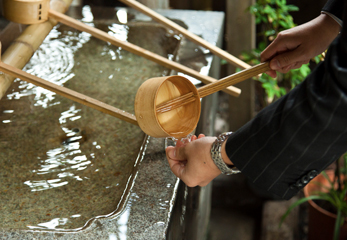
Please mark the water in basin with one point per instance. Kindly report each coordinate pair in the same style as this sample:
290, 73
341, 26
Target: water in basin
62, 163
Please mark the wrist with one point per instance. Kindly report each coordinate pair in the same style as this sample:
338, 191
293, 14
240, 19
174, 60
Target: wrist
224, 154
332, 16
220, 157
330, 24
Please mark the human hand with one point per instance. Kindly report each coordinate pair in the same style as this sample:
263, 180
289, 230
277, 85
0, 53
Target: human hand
192, 162
296, 46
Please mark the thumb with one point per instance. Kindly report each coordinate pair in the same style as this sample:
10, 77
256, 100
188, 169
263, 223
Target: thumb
176, 161
283, 60
176, 153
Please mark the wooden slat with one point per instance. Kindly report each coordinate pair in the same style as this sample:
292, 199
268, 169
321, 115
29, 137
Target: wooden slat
189, 35
137, 50
68, 93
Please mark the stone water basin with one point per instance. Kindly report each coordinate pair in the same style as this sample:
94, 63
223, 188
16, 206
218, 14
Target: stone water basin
64, 164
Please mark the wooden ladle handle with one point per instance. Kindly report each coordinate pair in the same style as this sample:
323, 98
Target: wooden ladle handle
233, 79
68, 93
214, 87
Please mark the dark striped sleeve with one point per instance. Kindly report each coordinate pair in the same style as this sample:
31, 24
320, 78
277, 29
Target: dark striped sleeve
334, 7
301, 133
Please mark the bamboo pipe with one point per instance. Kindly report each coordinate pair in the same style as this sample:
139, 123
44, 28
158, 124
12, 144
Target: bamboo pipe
11, 32
68, 93
192, 37
137, 50
21, 50
213, 87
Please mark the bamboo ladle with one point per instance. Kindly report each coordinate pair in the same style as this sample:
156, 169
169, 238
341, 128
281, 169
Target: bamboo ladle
36, 11
170, 106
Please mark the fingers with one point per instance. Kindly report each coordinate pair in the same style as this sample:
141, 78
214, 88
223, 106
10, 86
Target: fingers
271, 73
175, 153
283, 53
282, 43
192, 163
289, 60
296, 46
284, 62
180, 143
177, 159
287, 68
177, 165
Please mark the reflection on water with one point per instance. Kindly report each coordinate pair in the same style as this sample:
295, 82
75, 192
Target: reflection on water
64, 163
122, 15
54, 61
119, 31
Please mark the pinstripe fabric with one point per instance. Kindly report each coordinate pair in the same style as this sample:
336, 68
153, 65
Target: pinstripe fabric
335, 7
303, 131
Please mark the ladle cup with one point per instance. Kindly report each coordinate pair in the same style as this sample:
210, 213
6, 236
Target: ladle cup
170, 106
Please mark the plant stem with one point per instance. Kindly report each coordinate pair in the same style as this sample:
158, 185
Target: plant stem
337, 225
337, 174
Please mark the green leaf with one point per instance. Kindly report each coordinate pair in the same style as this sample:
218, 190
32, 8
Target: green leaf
262, 46
282, 91
223, 62
305, 70
317, 59
268, 9
264, 19
284, 24
292, 8
327, 178
273, 16
297, 203
269, 32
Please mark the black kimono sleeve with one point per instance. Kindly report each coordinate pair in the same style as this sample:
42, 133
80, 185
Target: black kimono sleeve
334, 7
289, 142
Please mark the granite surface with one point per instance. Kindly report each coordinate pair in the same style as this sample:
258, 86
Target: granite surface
148, 207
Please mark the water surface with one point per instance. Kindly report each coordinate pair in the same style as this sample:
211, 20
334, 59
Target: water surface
63, 163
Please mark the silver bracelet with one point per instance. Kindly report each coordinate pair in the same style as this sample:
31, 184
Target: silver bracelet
217, 155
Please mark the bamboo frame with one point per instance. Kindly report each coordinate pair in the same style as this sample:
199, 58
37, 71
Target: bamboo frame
16, 14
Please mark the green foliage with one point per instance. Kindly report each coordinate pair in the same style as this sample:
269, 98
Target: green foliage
275, 12
335, 194
272, 17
